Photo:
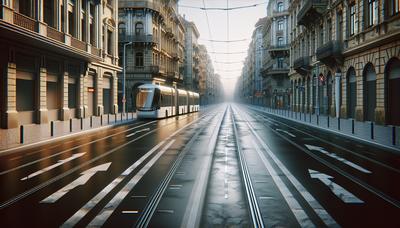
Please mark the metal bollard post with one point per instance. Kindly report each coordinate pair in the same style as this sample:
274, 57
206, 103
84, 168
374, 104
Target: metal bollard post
372, 130
338, 123
70, 125
352, 126
101, 120
328, 121
81, 123
21, 134
393, 135
317, 119
52, 128
108, 118
91, 121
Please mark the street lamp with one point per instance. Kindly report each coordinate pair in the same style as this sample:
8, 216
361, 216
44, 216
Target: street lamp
123, 81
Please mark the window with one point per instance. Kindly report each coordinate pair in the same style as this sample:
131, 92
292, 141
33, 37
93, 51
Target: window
279, 7
280, 62
352, 19
121, 29
139, 59
372, 12
394, 7
139, 28
48, 11
280, 41
109, 42
280, 25
321, 35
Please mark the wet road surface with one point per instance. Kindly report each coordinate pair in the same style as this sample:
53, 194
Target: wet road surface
228, 165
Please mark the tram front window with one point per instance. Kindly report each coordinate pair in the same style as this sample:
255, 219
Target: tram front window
147, 99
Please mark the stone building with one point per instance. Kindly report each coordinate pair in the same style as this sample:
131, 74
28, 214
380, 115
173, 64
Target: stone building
58, 60
154, 35
345, 59
276, 55
192, 57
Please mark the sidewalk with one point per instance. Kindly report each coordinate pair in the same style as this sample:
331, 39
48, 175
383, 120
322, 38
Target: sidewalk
36, 133
381, 135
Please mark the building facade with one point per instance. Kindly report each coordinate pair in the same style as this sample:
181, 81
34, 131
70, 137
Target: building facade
192, 56
58, 60
275, 67
345, 54
154, 36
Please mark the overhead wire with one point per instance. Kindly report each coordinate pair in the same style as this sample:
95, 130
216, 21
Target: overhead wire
224, 9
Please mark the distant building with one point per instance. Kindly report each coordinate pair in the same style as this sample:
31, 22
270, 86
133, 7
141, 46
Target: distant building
58, 60
156, 54
276, 55
192, 57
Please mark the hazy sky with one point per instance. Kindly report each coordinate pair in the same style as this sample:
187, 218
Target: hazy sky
241, 26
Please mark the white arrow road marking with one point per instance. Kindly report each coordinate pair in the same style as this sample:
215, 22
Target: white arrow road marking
134, 133
78, 182
286, 132
106, 212
333, 155
60, 162
338, 190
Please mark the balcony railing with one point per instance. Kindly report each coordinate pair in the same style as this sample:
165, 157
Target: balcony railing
144, 69
302, 65
55, 34
138, 39
330, 53
271, 67
278, 50
78, 44
24, 21
311, 10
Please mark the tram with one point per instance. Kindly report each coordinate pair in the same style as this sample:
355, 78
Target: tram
157, 101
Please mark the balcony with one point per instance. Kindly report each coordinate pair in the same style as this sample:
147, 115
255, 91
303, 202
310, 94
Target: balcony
169, 32
278, 50
311, 10
129, 4
24, 29
302, 65
144, 70
138, 39
271, 68
173, 74
330, 53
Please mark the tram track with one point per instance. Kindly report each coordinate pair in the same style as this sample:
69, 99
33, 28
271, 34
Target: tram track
155, 199
254, 209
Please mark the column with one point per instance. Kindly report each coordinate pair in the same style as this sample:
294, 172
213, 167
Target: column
114, 92
6, 13
380, 112
10, 119
57, 14
360, 94
42, 84
99, 92
41, 26
338, 77
65, 115
78, 11
343, 107
317, 95
65, 12
82, 100
87, 19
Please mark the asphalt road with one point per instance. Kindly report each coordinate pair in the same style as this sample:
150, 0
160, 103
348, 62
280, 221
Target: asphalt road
228, 165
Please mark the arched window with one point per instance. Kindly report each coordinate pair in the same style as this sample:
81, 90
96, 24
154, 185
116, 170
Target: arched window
393, 91
351, 93
369, 92
279, 7
139, 28
280, 41
121, 29
139, 59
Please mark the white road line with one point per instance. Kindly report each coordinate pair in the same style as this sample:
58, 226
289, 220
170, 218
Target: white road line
86, 175
59, 163
335, 156
71, 149
74, 219
134, 133
300, 215
286, 132
319, 210
106, 212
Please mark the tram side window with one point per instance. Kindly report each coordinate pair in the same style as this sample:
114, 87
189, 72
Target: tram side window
156, 99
